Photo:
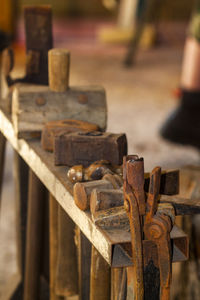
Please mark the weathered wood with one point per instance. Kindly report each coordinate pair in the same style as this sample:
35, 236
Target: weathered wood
21, 196
45, 270
85, 148
53, 128
53, 239
2, 161
188, 284
36, 196
38, 37
115, 217
118, 284
116, 180
38, 30
6, 67
102, 199
123, 286
82, 191
21, 192
59, 62
151, 282
183, 206
99, 277
56, 181
67, 271
13, 290
33, 106
84, 265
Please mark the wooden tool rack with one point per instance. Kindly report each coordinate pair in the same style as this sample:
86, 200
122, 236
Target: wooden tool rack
54, 178
45, 173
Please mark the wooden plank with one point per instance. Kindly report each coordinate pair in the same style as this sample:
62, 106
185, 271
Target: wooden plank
84, 264
45, 270
21, 196
53, 238
55, 179
115, 217
118, 284
183, 206
100, 276
66, 269
34, 236
2, 161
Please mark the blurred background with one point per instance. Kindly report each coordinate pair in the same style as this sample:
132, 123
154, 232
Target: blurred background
99, 33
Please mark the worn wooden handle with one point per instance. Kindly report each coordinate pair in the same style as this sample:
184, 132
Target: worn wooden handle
83, 190
59, 61
99, 277
102, 199
67, 270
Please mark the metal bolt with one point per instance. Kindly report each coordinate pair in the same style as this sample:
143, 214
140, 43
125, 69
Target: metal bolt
40, 101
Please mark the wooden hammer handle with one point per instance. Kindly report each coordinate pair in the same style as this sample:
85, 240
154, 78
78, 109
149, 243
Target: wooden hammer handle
59, 61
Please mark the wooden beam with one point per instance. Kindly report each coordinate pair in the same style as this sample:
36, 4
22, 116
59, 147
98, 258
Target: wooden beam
34, 237
84, 264
53, 238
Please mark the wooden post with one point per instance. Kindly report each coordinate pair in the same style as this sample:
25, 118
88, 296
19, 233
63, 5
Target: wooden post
34, 235
59, 61
2, 160
84, 263
119, 284
15, 285
53, 238
67, 270
100, 276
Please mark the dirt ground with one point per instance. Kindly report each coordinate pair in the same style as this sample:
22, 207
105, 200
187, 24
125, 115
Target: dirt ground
139, 99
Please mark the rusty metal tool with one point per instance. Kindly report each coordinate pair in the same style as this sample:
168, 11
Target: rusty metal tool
53, 128
135, 178
132, 196
87, 147
157, 226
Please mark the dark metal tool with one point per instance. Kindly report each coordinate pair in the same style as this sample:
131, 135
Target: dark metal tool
157, 227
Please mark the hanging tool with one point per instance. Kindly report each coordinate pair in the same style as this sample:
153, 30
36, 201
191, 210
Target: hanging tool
157, 226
